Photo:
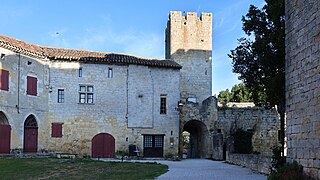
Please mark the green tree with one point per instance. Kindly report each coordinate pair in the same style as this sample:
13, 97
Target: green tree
261, 62
238, 93
224, 96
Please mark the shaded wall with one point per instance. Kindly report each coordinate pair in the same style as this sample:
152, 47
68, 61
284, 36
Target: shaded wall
303, 83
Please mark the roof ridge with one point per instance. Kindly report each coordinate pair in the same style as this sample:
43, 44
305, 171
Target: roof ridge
57, 53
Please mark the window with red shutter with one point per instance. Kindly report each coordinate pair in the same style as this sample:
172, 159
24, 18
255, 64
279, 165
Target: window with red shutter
56, 130
4, 80
32, 86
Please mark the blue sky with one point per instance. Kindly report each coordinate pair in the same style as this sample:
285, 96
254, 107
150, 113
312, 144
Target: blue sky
124, 26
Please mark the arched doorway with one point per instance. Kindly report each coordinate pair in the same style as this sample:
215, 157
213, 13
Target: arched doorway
103, 146
198, 139
5, 134
30, 142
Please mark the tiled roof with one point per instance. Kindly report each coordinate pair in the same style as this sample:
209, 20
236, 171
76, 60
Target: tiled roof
64, 54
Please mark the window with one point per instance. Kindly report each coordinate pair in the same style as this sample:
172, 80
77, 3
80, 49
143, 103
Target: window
60, 95
31, 86
80, 72
147, 141
110, 73
56, 130
4, 80
86, 94
163, 104
192, 99
2, 56
158, 141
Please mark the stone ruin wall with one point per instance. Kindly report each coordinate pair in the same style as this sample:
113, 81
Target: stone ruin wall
265, 124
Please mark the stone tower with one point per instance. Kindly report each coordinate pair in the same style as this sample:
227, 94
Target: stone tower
303, 84
189, 43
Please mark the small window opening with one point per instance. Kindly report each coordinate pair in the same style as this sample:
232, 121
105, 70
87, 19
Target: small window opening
2, 56
80, 72
60, 95
219, 131
163, 104
110, 73
192, 99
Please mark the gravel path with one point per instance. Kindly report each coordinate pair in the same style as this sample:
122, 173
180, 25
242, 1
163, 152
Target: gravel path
201, 169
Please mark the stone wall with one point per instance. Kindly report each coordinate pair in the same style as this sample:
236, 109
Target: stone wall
303, 84
265, 123
189, 43
15, 104
125, 106
255, 162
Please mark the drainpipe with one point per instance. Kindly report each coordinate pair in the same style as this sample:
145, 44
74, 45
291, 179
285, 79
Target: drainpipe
127, 91
19, 65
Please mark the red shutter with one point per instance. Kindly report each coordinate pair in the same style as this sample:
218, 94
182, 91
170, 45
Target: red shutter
31, 85
4, 80
56, 130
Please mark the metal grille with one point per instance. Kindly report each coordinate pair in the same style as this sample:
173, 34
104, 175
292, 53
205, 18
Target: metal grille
147, 141
163, 105
158, 142
31, 122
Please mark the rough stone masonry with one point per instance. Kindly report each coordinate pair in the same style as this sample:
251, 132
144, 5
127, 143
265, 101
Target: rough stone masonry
303, 84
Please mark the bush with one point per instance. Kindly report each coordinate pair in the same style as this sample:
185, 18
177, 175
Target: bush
243, 141
277, 160
288, 172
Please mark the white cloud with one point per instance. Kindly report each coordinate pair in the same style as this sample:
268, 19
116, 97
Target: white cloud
106, 38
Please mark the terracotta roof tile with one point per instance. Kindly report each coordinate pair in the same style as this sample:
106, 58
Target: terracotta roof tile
64, 54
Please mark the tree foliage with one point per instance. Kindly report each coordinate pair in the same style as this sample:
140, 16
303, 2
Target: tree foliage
238, 93
261, 62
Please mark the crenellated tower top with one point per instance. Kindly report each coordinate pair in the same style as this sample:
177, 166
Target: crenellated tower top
189, 43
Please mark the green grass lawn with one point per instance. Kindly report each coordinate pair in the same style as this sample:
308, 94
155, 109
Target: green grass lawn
51, 168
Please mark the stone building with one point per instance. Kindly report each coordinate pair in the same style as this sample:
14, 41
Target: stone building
94, 103
303, 84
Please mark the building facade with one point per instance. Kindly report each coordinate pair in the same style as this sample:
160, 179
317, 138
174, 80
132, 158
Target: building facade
71, 101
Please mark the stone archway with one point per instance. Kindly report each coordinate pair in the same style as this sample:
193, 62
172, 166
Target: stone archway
198, 139
5, 134
30, 141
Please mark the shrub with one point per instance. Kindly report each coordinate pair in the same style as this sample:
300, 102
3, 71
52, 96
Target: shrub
277, 160
288, 172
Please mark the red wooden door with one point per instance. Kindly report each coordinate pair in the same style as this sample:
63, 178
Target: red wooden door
5, 136
30, 139
103, 146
